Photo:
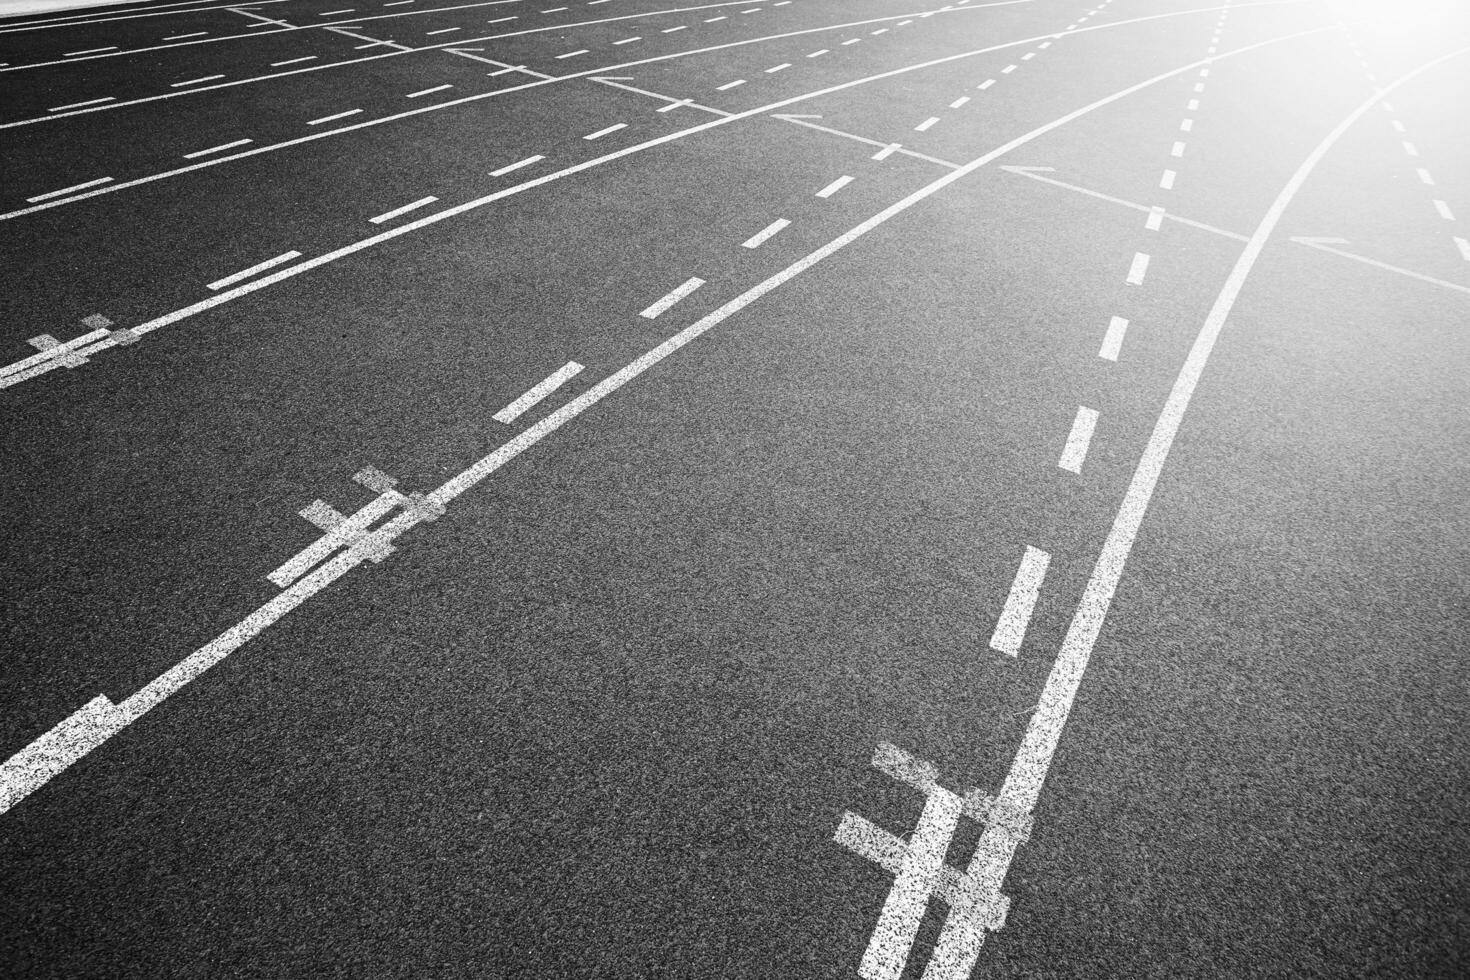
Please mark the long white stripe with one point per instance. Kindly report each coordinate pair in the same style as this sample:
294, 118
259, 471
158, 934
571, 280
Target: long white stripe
1010, 629
532, 397
957, 949
68, 190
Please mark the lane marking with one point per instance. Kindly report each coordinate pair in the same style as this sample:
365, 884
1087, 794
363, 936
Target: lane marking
1015, 617
1444, 210
1327, 245
78, 105
68, 190
1074, 453
628, 40
804, 120
294, 61
1177, 150
73, 54
216, 149
339, 115
957, 103
196, 81
1113, 340
181, 37
762, 236
781, 67
390, 215
817, 54
1155, 219
603, 132
959, 943
923, 126
1464, 247
886, 152
730, 85
672, 297
1138, 269
532, 397
517, 165
834, 187
573, 54
986, 84
428, 91
254, 270
1424, 176
1167, 180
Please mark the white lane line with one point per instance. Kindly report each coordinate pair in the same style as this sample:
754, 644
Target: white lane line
923, 126
196, 81
216, 149
390, 215
1193, 105
53, 752
78, 105
958, 947
428, 91
818, 53
1028, 55
834, 187
442, 30
986, 84
517, 165
775, 68
180, 37
1424, 176
628, 40
254, 270
673, 297
1008, 69
1327, 245
294, 61
339, 115
1444, 210
529, 400
959, 102
1186, 125
713, 19
1464, 246
1113, 340
1138, 269
1410, 149
730, 85
1177, 150
603, 132
886, 152
1155, 219
73, 54
573, 54
760, 237
1167, 180
333, 13
853, 41
67, 190
1010, 629
674, 105
1075, 451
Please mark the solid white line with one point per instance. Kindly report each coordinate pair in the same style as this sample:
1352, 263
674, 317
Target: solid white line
390, 215
760, 237
834, 187
1138, 269
428, 91
67, 190
603, 132
340, 115
959, 945
216, 149
561, 376
49, 353
517, 165
1010, 629
1074, 453
78, 105
1113, 339
670, 298
260, 267
927, 123
196, 81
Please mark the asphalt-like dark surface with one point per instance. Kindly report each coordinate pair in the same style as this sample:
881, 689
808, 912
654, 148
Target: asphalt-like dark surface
604, 716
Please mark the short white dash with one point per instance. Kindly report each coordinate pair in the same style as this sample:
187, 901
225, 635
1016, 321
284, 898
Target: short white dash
247, 273
442, 30
196, 81
572, 54
1075, 451
293, 61
881, 30
1424, 176
1193, 105
775, 68
180, 37
628, 40
78, 105
713, 19
834, 187
561, 376
1186, 125
1138, 269
1010, 630
1167, 180
1444, 210
669, 300
1028, 55
986, 84
333, 117
1008, 69
603, 132
389, 216
674, 105
1199, 86
67, 190
1464, 247
1398, 126
428, 91
397, 3
670, 30
959, 102
216, 149
927, 123
73, 54
730, 85
818, 52
516, 166
1177, 150
1044, 45
1155, 219
853, 41
1410, 149
760, 237
501, 20
887, 151
333, 13
1113, 339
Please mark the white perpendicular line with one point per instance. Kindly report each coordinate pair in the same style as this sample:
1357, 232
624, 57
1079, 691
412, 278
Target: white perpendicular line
254, 270
68, 190
390, 215
37, 763
1015, 617
958, 948
760, 237
670, 298
1074, 453
535, 395
1113, 340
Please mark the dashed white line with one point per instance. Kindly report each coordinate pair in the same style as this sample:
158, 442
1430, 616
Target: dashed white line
517, 165
1010, 629
1464, 247
1113, 340
671, 298
78, 105
628, 40
818, 52
760, 237
834, 187
339, 115
572, 54
428, 91
986, 84
293, 61
1186, 125
959, 102
529, 400
442, 30
670, 30
1155, 219
730, 85
216, 149
73, 54
180, 37
67, 190
924, 126
1167, 180
254, 269
1138, 269
1074, 453
1008, 69
196, 81
1444, 210
775, 68
887, 151
1424, 176
603, 132
390, 215
1177, 150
